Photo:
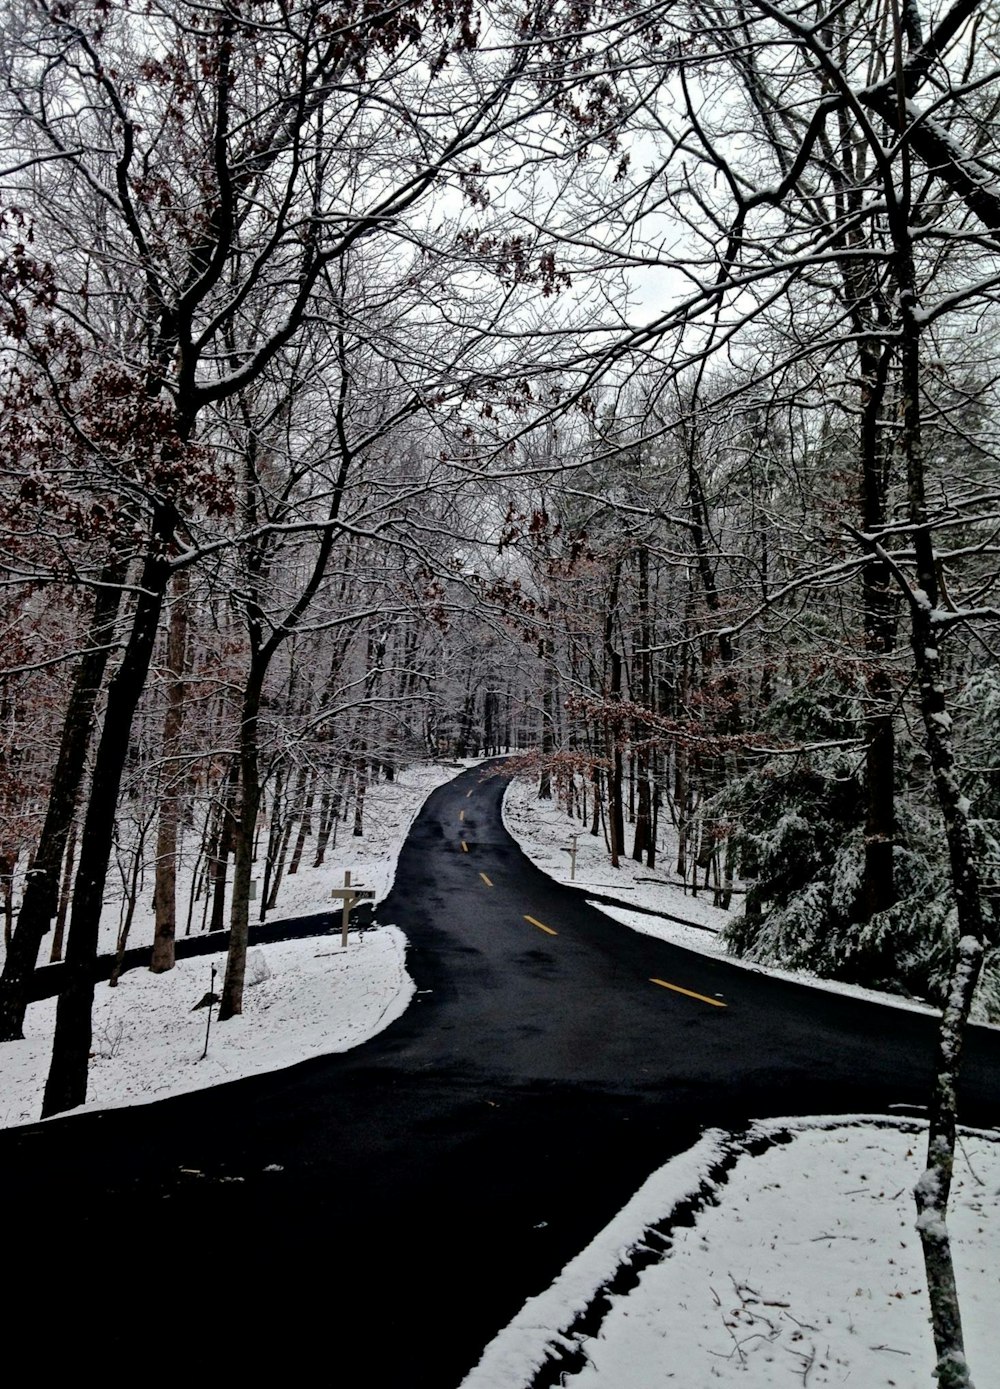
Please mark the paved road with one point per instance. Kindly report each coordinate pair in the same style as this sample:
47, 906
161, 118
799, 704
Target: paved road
376, 1217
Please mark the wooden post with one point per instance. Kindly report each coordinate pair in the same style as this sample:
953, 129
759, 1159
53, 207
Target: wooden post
349, 896
347, 908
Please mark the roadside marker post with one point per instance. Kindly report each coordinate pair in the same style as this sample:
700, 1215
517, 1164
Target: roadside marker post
572, 860
350, 895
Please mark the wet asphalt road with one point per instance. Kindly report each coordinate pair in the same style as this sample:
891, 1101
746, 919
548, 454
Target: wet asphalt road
374, 1218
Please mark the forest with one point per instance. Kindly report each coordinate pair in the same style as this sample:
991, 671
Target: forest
612, 384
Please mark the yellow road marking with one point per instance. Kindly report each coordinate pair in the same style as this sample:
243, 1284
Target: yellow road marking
465, 847
486, 880
461, 814
541, 926
468, 794
688, 993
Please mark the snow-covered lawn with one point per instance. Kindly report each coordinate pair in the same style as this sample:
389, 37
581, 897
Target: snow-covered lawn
305, 998
799, 1265
802, 1267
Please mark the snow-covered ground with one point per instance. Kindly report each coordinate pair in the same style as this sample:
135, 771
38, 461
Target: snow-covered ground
306, 998
802, 1267
802, 1264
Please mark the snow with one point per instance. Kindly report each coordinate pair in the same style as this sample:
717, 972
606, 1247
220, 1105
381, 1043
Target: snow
311, 998
802, 1266
798, 1264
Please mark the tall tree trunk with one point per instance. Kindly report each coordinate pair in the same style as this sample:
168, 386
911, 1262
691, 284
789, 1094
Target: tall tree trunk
328, 820
934, 1188
41, 890
165, 892
231, 1001
360, 789
595, 822
65, 897
8, 863
277, 832
643, 660
305, 822
548, 694
613, 734
878, 614
131, 897
66, 1085
223, 846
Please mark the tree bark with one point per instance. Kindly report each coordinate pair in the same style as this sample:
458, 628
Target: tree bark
641, 845
305, 822
548, 694
231, 1001
165, 892
933, 1190
65, 897
41, 891
223, 847
66, 1085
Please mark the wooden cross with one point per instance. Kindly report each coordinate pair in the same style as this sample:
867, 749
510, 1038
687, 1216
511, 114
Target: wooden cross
349, 896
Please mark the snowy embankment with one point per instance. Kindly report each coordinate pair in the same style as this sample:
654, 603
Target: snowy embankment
304, 998
801, 1265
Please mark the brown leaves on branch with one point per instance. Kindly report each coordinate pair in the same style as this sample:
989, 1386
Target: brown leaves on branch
512, 259
623, 716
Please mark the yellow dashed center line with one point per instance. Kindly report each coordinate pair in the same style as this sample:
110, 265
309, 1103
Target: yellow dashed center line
486, 880
461, 814
688, 993
541, 926
465, 847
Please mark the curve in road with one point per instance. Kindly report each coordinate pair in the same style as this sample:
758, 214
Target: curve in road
377, 1216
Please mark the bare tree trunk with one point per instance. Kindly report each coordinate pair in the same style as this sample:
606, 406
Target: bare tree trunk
293, 809
934, 1188
198, 885
643, 660
41, 889
231, 1001
132, 895
223, 847
305, 823
613, 735
360, 788
165, 893
878, 603
595, 822
545, 780
65, 897
277, 831
8, 863
66, 1085
328, 820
